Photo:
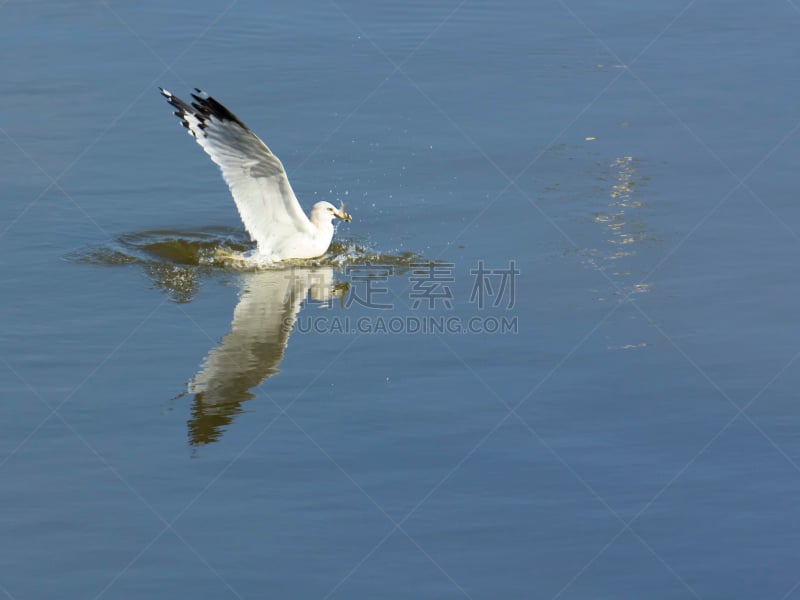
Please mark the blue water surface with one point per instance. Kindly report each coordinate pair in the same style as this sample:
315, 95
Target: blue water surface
634, 433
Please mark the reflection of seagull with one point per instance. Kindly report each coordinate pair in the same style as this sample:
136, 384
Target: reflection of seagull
253, 348
267, 205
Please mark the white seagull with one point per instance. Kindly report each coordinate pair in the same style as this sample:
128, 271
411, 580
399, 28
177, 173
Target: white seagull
257, 180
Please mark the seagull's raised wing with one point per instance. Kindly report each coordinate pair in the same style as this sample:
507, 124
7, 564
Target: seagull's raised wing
267, 205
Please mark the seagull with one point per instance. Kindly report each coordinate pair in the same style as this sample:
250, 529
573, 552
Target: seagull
258, 183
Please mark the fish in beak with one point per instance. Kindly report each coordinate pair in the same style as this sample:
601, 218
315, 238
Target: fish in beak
342, 214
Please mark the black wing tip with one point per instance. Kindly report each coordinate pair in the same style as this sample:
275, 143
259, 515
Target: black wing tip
206, 106
203, 108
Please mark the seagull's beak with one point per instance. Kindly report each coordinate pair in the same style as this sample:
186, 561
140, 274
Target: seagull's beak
343, 216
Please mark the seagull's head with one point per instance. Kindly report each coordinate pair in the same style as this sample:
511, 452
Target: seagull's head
325, 212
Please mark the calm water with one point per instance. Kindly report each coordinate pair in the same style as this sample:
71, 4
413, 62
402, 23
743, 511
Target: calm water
635, 435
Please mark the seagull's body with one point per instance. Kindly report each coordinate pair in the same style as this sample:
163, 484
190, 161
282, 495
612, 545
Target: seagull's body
258, 182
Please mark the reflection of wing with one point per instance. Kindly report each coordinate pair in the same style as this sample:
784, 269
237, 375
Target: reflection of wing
253, 348
268, 207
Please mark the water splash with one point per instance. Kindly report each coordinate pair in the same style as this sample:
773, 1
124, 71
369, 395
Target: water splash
177, 261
